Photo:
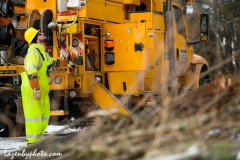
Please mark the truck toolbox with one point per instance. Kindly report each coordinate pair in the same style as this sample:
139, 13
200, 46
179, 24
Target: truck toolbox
102, 10
153, 20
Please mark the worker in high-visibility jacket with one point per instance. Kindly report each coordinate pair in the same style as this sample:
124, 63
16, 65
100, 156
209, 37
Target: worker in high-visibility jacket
35, 87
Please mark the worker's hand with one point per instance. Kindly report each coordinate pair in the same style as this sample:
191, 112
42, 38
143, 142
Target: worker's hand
37, 93
56, 62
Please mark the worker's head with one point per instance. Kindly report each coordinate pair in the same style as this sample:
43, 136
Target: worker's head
33, 35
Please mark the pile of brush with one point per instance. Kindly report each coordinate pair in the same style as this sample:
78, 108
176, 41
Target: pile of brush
203, 117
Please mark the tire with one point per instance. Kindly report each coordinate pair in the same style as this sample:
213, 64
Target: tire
205, 79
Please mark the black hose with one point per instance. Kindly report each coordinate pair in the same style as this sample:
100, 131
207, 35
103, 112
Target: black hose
7, 9
20, 47
6, 31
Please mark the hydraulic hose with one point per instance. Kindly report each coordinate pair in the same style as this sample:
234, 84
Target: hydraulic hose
6, 32
7, 9
8, 38
20, 47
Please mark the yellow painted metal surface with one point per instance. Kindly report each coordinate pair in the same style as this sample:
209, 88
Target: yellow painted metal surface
41, 5
156, 4
159, 62
136, 2
103, 10
88, 10
74, 81
72, 29
117, 1
61, 81
191, 80
155, 74
198, 59
108, 102
62, 77
58, 113
88, 80
66, 18
11, 70
155, 21
133, 82
149, 84
79, 69
183, 52
114, 12
125, 36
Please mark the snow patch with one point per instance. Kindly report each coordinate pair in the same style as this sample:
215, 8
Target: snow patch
11, 144
54, 128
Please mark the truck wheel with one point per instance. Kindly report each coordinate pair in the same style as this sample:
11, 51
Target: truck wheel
206, 78
7, 125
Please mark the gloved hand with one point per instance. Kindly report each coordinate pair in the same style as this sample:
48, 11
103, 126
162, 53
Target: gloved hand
37, 93
56, 62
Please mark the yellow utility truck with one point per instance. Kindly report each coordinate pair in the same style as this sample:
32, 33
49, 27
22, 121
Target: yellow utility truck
114, 54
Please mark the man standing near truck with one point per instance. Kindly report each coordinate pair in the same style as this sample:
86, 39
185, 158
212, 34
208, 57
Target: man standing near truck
35, 87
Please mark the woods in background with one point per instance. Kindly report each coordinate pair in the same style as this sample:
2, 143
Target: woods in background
223, 46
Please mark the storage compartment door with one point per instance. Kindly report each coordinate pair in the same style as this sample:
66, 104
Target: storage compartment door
128, 50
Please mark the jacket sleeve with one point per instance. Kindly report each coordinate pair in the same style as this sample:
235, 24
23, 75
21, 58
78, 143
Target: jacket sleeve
31, 62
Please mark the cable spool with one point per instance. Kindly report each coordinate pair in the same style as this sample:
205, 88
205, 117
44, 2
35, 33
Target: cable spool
6, 32
7, 9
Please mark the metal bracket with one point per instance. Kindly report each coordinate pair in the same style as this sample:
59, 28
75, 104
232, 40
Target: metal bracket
16, 80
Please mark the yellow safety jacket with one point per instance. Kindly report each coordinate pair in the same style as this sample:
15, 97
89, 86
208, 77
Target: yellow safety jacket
36, 112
